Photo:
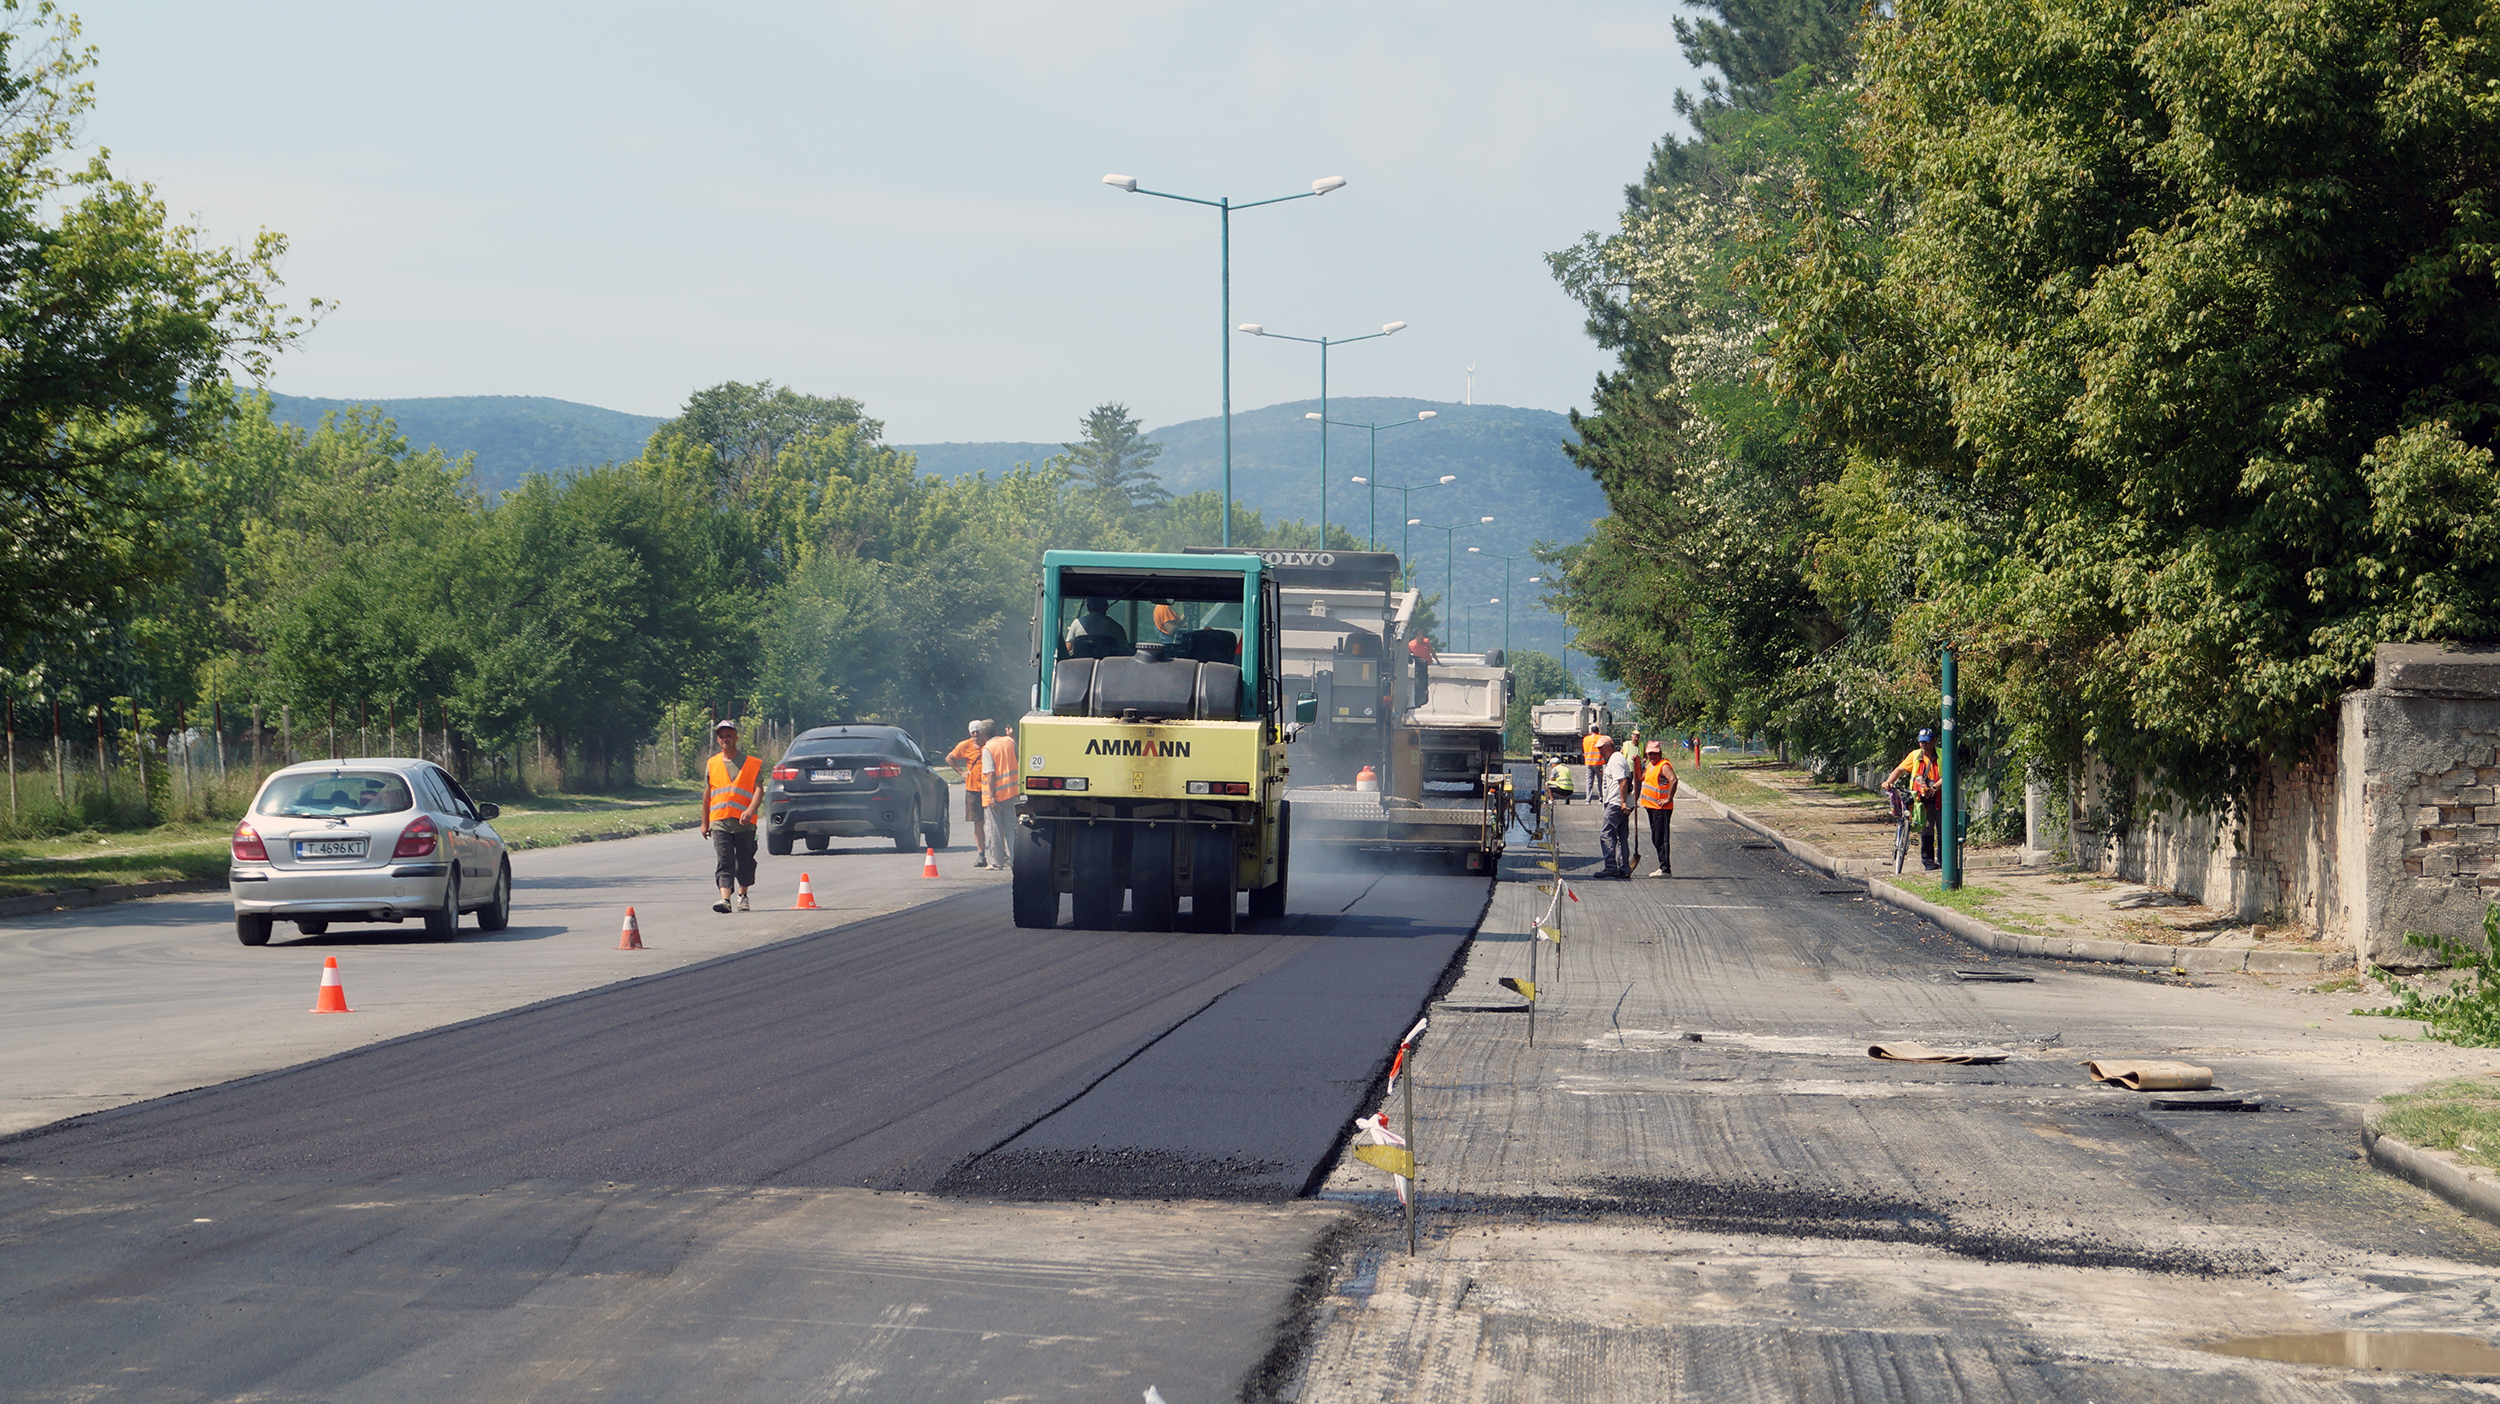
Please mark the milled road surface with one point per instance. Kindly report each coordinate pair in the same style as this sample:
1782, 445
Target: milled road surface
701, 1185
1698, 1185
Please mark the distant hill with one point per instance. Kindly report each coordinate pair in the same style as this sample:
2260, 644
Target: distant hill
1509, 463
513, 436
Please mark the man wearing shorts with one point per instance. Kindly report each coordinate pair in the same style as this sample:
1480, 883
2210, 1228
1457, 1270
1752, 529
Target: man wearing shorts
966, 757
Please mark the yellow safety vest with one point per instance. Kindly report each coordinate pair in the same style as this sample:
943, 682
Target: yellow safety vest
998, 766
1561, 779
1658, 786
732, 798
1926, 777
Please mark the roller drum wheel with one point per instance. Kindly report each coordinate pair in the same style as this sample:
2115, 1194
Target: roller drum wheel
1036, 895
1151, 890
1211, 878
1098, 883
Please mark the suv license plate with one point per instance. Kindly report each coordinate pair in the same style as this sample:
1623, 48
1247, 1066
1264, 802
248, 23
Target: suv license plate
330, 848
830, 777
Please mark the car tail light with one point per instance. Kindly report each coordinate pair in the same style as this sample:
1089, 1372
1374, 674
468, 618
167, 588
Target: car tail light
883, 772
785, 772
247, 845
417, 840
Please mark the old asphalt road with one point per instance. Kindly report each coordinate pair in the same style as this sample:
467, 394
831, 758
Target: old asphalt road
1698, 1185
920, 1155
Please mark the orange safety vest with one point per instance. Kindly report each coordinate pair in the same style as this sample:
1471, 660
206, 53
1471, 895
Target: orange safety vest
998, 766
966, 757
1925, 775
732, 798
1589, 745
1658, 786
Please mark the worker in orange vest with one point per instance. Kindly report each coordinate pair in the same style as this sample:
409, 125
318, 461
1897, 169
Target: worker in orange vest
1589, 756
1001, 786
1926, 788
733, 794
966, 758
1658, 802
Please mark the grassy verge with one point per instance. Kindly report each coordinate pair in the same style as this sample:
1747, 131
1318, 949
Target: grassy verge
1725, 782
197, 851
2461, 1116
1970, 899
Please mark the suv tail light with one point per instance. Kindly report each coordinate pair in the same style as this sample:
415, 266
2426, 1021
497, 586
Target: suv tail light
247, 845
785, 772
882, 772
417, 840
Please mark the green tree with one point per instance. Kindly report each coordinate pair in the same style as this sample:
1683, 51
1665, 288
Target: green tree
1115, 461
746, 427
110, 319
2174, 375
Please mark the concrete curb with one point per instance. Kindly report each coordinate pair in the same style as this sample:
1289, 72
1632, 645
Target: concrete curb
2196, 959
97, 896
2469, 1187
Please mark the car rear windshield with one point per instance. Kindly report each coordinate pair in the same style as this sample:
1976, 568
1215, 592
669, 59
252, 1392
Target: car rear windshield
335, 794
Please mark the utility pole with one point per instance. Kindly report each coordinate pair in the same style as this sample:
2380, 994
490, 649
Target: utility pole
1948, 839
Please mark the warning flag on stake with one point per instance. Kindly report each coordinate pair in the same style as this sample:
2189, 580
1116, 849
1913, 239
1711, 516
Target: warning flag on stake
1549, 933
1550, 867
1525, 989
1383, 1149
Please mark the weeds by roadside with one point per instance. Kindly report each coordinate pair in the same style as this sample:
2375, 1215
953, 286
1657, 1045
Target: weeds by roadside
2461, 1116
2467, 1013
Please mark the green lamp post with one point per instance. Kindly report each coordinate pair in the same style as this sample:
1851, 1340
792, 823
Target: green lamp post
1449, 555
1224, 207
1323, 343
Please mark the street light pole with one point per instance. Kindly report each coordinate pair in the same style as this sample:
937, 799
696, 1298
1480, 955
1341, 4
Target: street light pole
1224, 207
1506, 563
1449, 556
1374, 485
1323, 343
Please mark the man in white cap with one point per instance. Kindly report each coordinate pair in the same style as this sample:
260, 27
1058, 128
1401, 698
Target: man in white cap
966, 758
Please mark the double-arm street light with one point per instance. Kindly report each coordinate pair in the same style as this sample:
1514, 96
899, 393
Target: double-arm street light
1449, 556
1506, 561
1224, 208
1401, 489
1323, 343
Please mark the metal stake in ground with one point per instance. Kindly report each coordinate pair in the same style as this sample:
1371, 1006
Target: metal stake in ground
1415, 1182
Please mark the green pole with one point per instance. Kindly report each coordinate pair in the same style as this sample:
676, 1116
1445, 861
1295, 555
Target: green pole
1950, 850
1323, 445
1224, 208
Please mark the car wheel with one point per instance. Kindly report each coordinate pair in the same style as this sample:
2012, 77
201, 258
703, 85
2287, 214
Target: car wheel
443, 923
942, 833
251, 930
777, 845
311, 927
497, 914
909, 838
816, 843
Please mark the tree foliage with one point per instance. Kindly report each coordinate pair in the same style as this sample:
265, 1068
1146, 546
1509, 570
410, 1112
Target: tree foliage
111, 317
1115, 461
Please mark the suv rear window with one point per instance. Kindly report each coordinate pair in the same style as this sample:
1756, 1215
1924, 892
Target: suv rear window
335, 794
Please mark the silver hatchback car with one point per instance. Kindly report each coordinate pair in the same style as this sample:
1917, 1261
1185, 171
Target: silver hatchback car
367, 840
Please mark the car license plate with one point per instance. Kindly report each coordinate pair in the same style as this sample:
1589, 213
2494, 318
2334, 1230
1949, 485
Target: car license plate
830, 777
331, 848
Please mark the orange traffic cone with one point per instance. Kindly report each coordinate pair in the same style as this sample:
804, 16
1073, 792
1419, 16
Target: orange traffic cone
630, 939
333, 998
1367, 781
807, 896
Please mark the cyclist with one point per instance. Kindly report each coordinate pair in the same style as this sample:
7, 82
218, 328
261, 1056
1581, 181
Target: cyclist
1926, 784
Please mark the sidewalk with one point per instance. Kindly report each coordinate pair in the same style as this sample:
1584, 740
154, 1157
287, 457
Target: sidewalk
1698, 1185
2059, 910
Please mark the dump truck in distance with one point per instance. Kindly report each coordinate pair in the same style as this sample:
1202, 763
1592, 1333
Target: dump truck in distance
1154, 749
1556, 725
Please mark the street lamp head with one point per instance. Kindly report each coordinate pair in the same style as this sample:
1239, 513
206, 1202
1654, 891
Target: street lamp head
1392, 328
1475, 550
1251, 329
1449, 477
1314, 414
1431, 414
1325, 184
1364, 481
1128, 183
1484, 521
1414, 521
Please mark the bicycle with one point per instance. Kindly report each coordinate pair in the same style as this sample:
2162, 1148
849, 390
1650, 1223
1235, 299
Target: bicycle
1901, 815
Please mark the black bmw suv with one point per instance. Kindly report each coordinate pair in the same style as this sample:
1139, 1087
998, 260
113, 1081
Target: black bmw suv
853, 782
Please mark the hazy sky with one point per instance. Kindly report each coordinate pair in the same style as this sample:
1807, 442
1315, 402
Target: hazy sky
621, 203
